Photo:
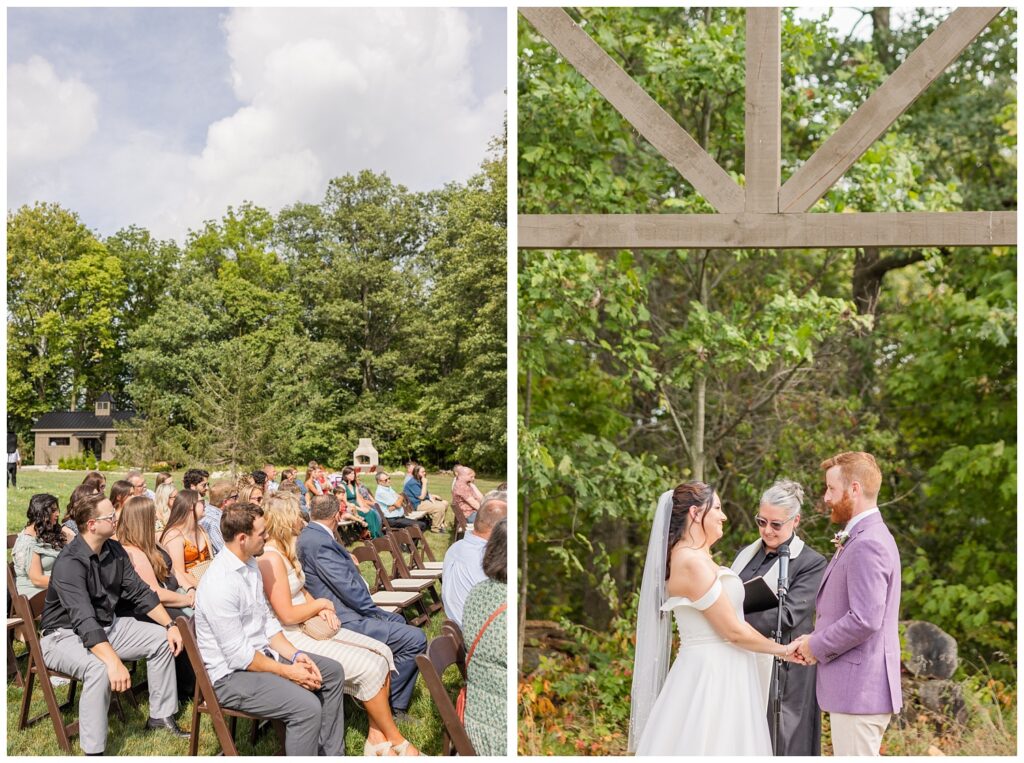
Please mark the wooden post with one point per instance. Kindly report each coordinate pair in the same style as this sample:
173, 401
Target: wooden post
763, 110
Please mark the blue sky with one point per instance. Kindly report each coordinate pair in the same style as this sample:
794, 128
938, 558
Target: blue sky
163, 117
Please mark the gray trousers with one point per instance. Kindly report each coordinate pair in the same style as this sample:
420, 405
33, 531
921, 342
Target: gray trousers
314, 720
131, 639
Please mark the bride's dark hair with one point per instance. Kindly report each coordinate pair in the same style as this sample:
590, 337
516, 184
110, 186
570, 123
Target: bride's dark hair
683, 497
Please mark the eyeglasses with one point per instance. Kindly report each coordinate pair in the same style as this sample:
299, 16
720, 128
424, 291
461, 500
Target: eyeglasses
776, 526
233, 496
112, 518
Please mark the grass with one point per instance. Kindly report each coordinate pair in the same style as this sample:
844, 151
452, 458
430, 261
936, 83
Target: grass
128, 737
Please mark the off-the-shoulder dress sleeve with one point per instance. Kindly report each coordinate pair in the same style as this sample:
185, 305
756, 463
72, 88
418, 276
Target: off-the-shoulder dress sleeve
705, 601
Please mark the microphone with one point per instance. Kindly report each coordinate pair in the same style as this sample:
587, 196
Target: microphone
783, 570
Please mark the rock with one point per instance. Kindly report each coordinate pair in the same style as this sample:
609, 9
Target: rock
944, 698
933, 652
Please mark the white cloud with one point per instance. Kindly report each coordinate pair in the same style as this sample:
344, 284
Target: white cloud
48, 118
324, 91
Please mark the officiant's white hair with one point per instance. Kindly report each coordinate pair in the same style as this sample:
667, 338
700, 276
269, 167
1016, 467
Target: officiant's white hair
786, 494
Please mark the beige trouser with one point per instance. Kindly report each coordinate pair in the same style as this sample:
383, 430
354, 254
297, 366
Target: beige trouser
857, 734
436, 510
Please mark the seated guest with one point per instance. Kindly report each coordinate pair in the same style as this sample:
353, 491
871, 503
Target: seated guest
392, 504
198, 480
70, 529
249, 491
83, 636
347, 515
222, 495
152, 563
466, 496
316, 480
260, 478
184, 538
252, 665
120, 492
368, 663
463, 561
332, 574
38, 545
138, 483
162, 478
415, 492
96, 480
271, 471
164, 501
484, 623
360, 500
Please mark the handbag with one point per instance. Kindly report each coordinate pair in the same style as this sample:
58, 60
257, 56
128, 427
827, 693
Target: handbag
199, 569
460, 701
317, 628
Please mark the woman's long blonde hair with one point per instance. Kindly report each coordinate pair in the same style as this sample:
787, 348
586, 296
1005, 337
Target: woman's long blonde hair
137, 527
280, 512
160, 499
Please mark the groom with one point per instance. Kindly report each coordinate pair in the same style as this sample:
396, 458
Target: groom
855, 636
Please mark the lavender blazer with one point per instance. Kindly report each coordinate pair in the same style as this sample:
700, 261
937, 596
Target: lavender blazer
855, 637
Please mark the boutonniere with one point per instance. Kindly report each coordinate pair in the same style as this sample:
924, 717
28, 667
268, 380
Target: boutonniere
839, 539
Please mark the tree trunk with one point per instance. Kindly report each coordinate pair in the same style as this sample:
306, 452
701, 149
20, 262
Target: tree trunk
881, 38
524, 534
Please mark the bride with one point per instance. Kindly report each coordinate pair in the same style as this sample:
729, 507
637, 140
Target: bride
712, 701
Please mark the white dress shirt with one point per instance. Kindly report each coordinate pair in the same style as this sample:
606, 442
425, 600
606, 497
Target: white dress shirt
463, 569
859, 517
233, 619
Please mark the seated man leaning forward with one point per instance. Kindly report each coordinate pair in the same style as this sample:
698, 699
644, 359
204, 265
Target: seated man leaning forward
466, 496
332, 574
252, 665
92, 577
464, 560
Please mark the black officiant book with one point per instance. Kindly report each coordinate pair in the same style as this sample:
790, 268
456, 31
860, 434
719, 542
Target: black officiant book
758, 596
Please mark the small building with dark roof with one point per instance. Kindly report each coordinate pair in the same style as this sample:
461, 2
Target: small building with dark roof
60, 434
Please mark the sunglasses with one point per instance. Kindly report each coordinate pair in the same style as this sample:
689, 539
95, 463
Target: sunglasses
762, 523
112, 518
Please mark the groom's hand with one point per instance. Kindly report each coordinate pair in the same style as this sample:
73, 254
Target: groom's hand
803, 644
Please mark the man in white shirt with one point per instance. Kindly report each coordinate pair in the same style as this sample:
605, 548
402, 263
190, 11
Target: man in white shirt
252, 665
464, 560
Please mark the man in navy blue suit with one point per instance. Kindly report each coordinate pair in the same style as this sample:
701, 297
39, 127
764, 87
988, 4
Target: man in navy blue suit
331, 573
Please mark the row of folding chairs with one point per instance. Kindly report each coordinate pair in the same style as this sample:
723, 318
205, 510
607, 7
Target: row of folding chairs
443, 652
403, 578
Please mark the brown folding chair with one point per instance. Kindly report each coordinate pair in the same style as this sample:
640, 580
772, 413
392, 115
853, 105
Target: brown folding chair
441, 654
224, 719
400, 580
451, 628
414, 562
30, 611
460, 525
13, 626
430, 562
387, 599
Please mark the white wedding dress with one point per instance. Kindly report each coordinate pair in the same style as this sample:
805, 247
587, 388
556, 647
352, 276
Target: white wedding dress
712, 702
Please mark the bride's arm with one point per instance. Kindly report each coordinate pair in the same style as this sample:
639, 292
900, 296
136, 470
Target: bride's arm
694, 579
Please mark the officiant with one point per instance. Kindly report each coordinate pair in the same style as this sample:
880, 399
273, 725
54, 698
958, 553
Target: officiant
777, 518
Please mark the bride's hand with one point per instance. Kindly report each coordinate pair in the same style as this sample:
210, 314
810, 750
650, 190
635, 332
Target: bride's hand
792, 654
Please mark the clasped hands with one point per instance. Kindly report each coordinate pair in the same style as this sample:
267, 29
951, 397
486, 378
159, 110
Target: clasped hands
799, 651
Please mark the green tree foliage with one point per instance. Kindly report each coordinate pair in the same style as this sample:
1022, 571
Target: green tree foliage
638, 370
286, 337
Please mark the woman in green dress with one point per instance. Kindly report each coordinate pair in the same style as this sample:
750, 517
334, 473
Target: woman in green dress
38, 545
361, 501
483, 622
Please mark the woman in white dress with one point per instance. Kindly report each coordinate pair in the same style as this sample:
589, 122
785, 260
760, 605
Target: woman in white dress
368, 663
711, 702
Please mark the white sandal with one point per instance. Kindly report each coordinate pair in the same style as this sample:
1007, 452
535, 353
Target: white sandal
402, 748
376, 750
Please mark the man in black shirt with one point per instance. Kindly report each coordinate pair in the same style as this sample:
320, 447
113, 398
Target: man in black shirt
82, 636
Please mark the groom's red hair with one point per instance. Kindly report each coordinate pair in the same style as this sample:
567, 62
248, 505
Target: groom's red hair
856, 465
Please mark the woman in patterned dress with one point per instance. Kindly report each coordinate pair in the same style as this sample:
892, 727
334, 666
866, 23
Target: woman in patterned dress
368, 663
486, 713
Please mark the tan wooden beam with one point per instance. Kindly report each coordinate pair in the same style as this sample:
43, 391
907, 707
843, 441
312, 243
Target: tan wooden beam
922, 67
767, 231
636, 105
763, 111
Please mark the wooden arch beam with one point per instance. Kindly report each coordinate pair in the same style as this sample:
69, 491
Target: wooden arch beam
922, 67
636, 105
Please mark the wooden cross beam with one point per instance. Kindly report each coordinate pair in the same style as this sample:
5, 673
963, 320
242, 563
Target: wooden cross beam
763, 215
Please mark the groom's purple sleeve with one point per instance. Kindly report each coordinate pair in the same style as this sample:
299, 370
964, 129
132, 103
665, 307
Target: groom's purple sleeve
867, 584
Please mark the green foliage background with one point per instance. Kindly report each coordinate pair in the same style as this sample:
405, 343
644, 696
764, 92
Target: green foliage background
378, 312
641, 369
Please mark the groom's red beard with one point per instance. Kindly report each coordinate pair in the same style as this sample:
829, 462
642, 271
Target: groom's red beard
842, 510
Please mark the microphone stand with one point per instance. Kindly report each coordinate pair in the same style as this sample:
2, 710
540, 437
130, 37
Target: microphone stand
775, 701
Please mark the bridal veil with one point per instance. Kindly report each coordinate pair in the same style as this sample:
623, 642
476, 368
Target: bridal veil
653, 627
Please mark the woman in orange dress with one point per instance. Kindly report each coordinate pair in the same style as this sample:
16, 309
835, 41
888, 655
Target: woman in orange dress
184, 538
